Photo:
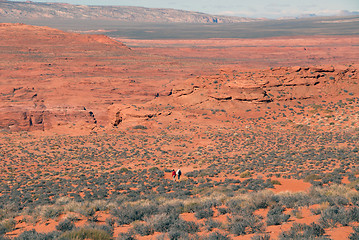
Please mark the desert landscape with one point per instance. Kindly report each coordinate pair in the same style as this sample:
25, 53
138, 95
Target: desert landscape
265, 131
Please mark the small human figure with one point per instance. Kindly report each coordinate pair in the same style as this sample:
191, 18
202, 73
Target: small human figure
174, 175
179, 173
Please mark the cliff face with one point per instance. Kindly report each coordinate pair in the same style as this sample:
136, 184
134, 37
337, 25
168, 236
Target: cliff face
34, 10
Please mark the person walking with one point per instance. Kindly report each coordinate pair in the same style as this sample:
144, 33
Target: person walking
174, 175
179, 173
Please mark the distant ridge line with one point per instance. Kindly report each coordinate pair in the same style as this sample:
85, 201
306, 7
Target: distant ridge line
33, 10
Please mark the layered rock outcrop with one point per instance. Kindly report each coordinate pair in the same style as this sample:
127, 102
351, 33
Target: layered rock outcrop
235, 89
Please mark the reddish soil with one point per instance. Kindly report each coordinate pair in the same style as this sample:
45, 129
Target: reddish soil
257, 53
58, 84
291, 185
65, 82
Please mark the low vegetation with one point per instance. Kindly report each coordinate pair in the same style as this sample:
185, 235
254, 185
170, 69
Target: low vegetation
94, 185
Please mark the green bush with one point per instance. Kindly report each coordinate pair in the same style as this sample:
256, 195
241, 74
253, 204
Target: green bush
185, 226
217, 236
261, 237
51, 211
65, 225
276, 182
312, 177
275, 216
244, 225
86, 233
33, 235
355, 234
245, 174
204, 213
209, 224
335, 215
130, 213
163, 222
127, 236
303, 231
140, 127
7, 226
143, 229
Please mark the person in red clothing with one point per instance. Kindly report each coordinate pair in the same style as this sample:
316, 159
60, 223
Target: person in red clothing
174, 175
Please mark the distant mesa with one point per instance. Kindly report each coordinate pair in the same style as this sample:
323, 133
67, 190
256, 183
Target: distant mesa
17, 32
33, 10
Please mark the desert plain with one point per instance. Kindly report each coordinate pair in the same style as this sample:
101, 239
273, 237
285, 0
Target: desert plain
265, 132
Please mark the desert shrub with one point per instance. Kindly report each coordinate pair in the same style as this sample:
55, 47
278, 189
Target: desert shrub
204, 213
124, 170
354, 214
199, 204
316, 183
235, 205
217, 236
262, 199
130, 213
185, 226
192, 174
100, 205
65, 225
92, 219
103, 227
332, 216
338, 200
191, 206
162, 222
223, 211
7, 226
311, 177
243, 225
175, 234
303, 231
276, 182
50, 211
256, 184
72, 217
63, 200
174, 208
261, 237
293, 200
143, 229
355, 200
315, 211
275, 216
126, 236
154, 171
355, 234
238, 227
33, 235
140, 127
2, 230
245, 174
110, 222
209, 224
86, 233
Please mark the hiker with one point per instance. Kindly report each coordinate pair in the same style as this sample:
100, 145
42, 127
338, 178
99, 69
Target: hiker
174, 175
179, 173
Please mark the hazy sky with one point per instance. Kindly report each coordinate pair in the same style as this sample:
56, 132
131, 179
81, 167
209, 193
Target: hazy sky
245, 8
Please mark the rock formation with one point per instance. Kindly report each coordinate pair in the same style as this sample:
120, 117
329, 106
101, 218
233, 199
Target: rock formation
33, 10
